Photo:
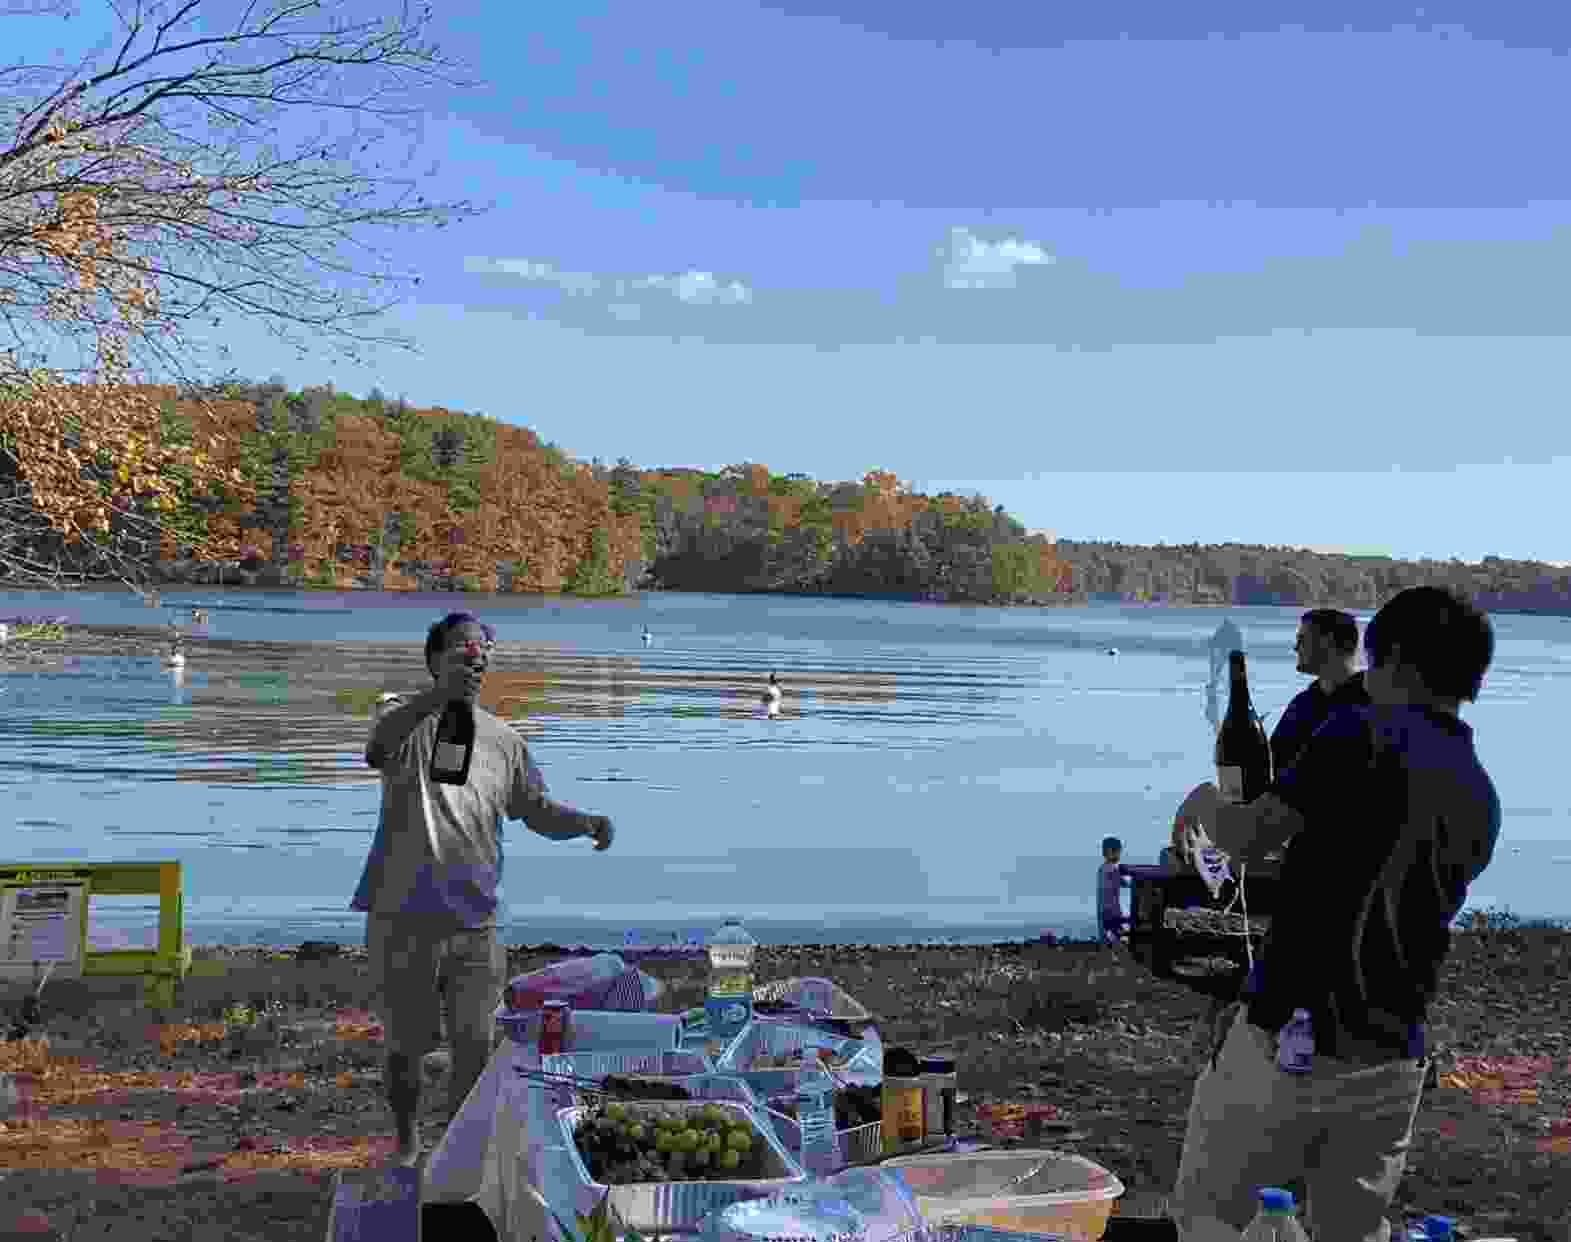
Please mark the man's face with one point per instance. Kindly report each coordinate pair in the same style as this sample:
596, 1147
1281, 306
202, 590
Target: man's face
1310, 649
467, 646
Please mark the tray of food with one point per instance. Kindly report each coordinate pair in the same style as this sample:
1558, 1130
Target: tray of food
561, 1069
670, 1164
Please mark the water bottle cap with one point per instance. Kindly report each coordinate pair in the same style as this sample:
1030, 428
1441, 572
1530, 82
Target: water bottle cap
1436, 1227
1273, 1199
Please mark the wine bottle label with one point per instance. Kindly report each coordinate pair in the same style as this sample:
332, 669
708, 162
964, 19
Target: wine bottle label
1230, 783
449, 758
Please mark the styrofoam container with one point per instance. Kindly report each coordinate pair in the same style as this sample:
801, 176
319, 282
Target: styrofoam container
758, 1038
1067, 1194
672, 1206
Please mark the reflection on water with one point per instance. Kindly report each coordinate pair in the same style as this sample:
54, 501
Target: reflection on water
961, 738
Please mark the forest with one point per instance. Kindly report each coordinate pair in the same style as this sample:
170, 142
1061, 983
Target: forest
371, 493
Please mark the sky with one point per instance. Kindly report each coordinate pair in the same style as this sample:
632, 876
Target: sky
1217, 272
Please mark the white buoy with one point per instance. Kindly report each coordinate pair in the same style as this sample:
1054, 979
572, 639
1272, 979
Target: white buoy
175, 660
1112, 651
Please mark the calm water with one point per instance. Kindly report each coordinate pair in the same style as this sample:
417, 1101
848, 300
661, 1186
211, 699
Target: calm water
937, 771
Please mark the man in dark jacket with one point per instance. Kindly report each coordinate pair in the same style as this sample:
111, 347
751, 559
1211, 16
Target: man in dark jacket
1388, 816
1327, 649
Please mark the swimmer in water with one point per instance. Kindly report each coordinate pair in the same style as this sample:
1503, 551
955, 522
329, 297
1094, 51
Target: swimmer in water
771, 697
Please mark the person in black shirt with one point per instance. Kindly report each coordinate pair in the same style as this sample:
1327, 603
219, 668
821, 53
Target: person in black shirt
1388, 816
1327, 649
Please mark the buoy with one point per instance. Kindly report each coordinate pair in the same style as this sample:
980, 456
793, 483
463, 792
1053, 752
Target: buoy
175, 661
1112, 651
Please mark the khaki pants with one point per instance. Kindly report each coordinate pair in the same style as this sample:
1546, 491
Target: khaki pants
410, 955
1344, 1129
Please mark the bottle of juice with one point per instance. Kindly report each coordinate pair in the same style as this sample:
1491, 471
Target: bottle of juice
729, 1005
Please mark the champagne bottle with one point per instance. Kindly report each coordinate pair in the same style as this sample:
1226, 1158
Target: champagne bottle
455, 745
1243, 756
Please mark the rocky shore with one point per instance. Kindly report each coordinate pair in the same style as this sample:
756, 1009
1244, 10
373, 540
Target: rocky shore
232, 1110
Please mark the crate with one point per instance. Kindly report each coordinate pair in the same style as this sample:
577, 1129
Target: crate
759, 1038
669, 1207
1199, 955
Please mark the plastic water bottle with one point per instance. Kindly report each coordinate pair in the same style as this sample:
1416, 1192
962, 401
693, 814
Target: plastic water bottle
815, 1114
1276, 1221
1295, 1050
729, 1005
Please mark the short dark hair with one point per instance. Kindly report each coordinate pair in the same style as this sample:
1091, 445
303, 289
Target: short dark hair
1111, 843
1340, 627
1442, 635
436, 639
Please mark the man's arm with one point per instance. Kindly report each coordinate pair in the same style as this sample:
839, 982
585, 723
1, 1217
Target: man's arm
394, 728
529, 802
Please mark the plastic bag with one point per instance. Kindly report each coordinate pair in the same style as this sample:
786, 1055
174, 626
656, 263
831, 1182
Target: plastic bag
603, 981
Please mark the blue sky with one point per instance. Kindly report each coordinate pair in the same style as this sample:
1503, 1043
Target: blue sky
1152, 273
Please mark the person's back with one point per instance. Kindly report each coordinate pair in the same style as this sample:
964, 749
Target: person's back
1393, 887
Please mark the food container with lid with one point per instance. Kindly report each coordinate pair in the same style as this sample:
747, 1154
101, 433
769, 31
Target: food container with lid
1019, 1191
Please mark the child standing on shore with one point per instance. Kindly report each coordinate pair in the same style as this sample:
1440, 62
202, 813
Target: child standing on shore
1112, 876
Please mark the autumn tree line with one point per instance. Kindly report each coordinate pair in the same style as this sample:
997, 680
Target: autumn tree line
341, 493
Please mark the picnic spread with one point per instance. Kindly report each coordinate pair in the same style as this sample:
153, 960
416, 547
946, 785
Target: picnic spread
617, 1124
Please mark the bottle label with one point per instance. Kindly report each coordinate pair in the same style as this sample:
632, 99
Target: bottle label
449, 758
1295, 1048
1230, 783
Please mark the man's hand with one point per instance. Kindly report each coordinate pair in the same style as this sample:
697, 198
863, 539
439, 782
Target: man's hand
600, 829
1197, 811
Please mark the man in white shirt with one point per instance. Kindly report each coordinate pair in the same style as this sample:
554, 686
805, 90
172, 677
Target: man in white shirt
429, 888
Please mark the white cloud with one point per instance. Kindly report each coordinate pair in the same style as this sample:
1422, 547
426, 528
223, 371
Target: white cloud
971, 263
694, 288
580, 283
700, 288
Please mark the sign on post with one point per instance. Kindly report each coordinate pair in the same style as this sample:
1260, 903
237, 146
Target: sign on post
44, 918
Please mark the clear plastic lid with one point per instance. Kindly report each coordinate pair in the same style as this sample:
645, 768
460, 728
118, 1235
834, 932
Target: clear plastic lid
791, 1216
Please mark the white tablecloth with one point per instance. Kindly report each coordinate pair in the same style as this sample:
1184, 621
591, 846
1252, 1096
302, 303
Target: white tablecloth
504, 1140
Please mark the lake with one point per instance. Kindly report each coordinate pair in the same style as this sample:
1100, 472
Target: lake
936, 771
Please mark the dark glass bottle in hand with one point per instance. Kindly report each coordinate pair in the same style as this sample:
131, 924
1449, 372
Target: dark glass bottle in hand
455, 744
1243, 756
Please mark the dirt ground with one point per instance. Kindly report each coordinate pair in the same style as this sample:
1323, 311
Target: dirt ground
180, 1125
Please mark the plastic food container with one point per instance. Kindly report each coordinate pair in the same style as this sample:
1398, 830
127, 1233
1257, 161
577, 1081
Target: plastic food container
864, 1058
669, 1207
1019, 1191
700, 1084
598, 1030
788, 1217
598, 1066
883, 1198
854, 1145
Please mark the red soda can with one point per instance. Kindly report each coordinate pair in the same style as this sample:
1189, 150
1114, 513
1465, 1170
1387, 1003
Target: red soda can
553, 1026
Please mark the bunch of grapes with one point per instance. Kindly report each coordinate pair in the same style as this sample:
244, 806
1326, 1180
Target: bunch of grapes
708, 1143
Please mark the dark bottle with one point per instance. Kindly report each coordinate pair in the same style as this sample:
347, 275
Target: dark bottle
1243, 756
455, 745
